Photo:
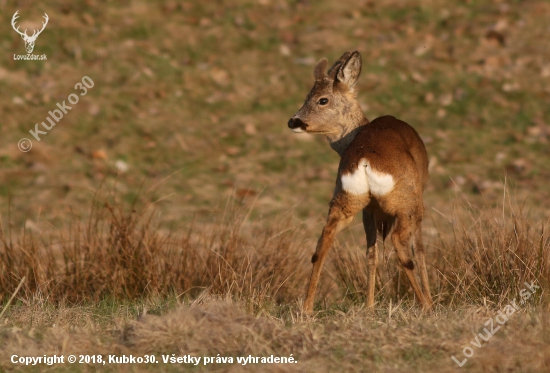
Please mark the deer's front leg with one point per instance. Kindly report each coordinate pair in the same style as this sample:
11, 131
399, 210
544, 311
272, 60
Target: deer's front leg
337, 220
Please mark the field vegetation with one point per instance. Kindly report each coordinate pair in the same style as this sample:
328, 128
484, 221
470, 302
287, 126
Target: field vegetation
171, 210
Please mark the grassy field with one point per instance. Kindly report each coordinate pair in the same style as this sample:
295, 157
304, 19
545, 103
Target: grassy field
171, 210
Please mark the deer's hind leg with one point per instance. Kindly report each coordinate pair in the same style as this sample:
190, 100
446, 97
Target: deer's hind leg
420, 255
401, 237
372, 253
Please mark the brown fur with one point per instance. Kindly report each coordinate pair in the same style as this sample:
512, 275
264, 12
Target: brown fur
390, 146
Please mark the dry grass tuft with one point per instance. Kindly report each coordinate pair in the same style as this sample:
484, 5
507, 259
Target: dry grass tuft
478, 257
123, 255
493, 256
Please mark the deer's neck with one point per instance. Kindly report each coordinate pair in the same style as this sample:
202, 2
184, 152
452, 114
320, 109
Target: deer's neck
340, 141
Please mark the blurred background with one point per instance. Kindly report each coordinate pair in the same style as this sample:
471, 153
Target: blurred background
191, 101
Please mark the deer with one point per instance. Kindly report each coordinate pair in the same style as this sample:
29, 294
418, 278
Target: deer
29, 40
383, 172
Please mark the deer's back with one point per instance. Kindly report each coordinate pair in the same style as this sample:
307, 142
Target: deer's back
390, 146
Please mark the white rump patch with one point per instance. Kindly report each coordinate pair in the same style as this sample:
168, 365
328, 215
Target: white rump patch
356, 182
365, 179
379, 182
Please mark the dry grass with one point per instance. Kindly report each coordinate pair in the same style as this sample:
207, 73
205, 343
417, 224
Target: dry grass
123, 255
478, 255
356, 341
119, 285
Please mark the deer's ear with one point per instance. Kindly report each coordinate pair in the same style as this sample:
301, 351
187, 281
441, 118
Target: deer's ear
334, 69
349, 71
320, 69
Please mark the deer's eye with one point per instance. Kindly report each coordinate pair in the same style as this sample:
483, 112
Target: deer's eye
323, 101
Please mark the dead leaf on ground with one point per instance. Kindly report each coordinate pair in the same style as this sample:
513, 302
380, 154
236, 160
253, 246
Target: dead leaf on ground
99, 154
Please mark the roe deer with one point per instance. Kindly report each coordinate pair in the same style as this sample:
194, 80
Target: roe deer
383, 171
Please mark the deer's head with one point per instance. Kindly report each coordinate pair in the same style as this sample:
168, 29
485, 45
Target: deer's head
29, 40
331, 107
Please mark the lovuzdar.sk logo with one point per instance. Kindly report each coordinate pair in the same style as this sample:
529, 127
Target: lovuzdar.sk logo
29, 40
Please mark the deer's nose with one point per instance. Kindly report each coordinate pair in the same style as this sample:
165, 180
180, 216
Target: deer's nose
291, 123
296, 123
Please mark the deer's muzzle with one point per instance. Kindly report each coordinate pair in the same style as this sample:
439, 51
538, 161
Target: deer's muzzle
297, 124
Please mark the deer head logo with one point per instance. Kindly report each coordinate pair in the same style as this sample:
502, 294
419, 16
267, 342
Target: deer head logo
29, 40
